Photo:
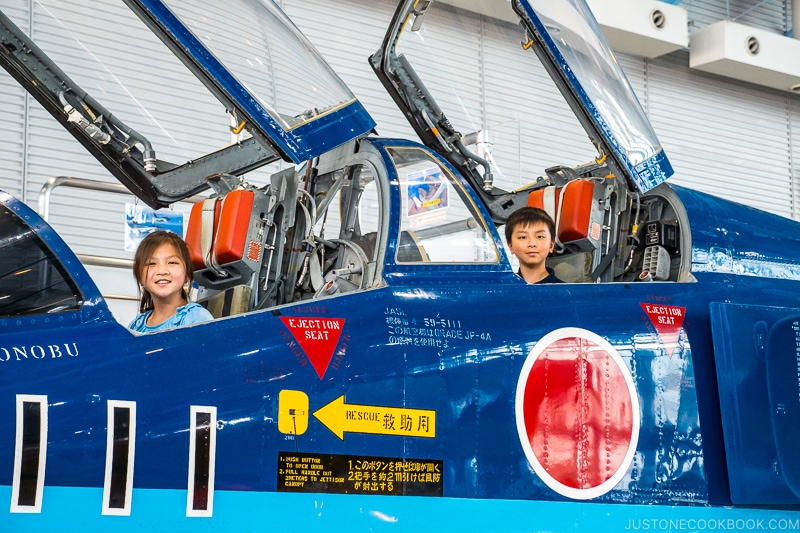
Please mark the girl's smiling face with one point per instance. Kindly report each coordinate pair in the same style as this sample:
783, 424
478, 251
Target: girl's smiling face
164, 273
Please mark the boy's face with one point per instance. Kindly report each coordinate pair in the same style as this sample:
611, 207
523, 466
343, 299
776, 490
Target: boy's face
531, 243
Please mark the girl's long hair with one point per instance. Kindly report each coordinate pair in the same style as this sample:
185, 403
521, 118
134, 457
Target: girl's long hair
146, 250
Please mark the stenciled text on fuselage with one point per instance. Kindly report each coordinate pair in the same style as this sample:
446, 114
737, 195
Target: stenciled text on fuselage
36, 351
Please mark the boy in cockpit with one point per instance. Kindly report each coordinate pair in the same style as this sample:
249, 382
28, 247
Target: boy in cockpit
530, 234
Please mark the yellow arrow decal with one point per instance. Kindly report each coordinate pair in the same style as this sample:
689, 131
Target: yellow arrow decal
340, 417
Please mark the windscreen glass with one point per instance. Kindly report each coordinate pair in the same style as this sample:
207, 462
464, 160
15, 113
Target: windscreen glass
579, 48
267, 54
439, 221
32, 280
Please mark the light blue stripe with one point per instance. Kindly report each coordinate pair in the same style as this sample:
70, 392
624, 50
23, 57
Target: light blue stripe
78, 509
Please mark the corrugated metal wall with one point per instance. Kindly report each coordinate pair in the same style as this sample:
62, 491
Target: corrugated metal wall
770, 15
733, 139
726, 138
794, 147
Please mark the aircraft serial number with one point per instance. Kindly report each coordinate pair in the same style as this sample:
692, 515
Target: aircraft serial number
442, 323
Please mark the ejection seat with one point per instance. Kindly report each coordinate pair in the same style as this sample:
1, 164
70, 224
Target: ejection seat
223, 258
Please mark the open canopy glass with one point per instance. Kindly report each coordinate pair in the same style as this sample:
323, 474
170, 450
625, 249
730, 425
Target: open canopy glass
189, 90
573, 43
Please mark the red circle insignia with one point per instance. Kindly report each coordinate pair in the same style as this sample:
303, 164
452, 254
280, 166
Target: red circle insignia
577, 413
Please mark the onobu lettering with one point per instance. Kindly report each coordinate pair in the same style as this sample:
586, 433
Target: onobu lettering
36, 351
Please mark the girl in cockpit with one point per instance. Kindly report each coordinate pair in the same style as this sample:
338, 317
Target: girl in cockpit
163, 268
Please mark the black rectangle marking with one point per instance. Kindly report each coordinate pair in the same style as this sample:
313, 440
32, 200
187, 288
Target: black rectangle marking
202, 461
120, 457
31, 448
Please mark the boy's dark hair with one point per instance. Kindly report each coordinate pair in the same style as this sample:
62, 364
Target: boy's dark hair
146, 250
529, 216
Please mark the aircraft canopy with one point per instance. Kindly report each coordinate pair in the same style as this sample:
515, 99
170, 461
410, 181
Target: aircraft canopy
251, 56
264, 92
587, 72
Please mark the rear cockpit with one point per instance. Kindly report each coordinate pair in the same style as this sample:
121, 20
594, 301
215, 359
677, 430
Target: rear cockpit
614, 221
608, 233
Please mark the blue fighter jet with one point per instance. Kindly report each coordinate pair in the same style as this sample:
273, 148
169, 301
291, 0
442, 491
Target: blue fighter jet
375, 363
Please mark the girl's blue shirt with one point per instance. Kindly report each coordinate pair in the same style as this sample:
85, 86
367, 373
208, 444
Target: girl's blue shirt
191, 313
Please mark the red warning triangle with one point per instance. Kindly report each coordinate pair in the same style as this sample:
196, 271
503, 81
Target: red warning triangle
668, 321
317, 337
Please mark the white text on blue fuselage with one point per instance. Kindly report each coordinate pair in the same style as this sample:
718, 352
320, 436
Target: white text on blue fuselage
48, 351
